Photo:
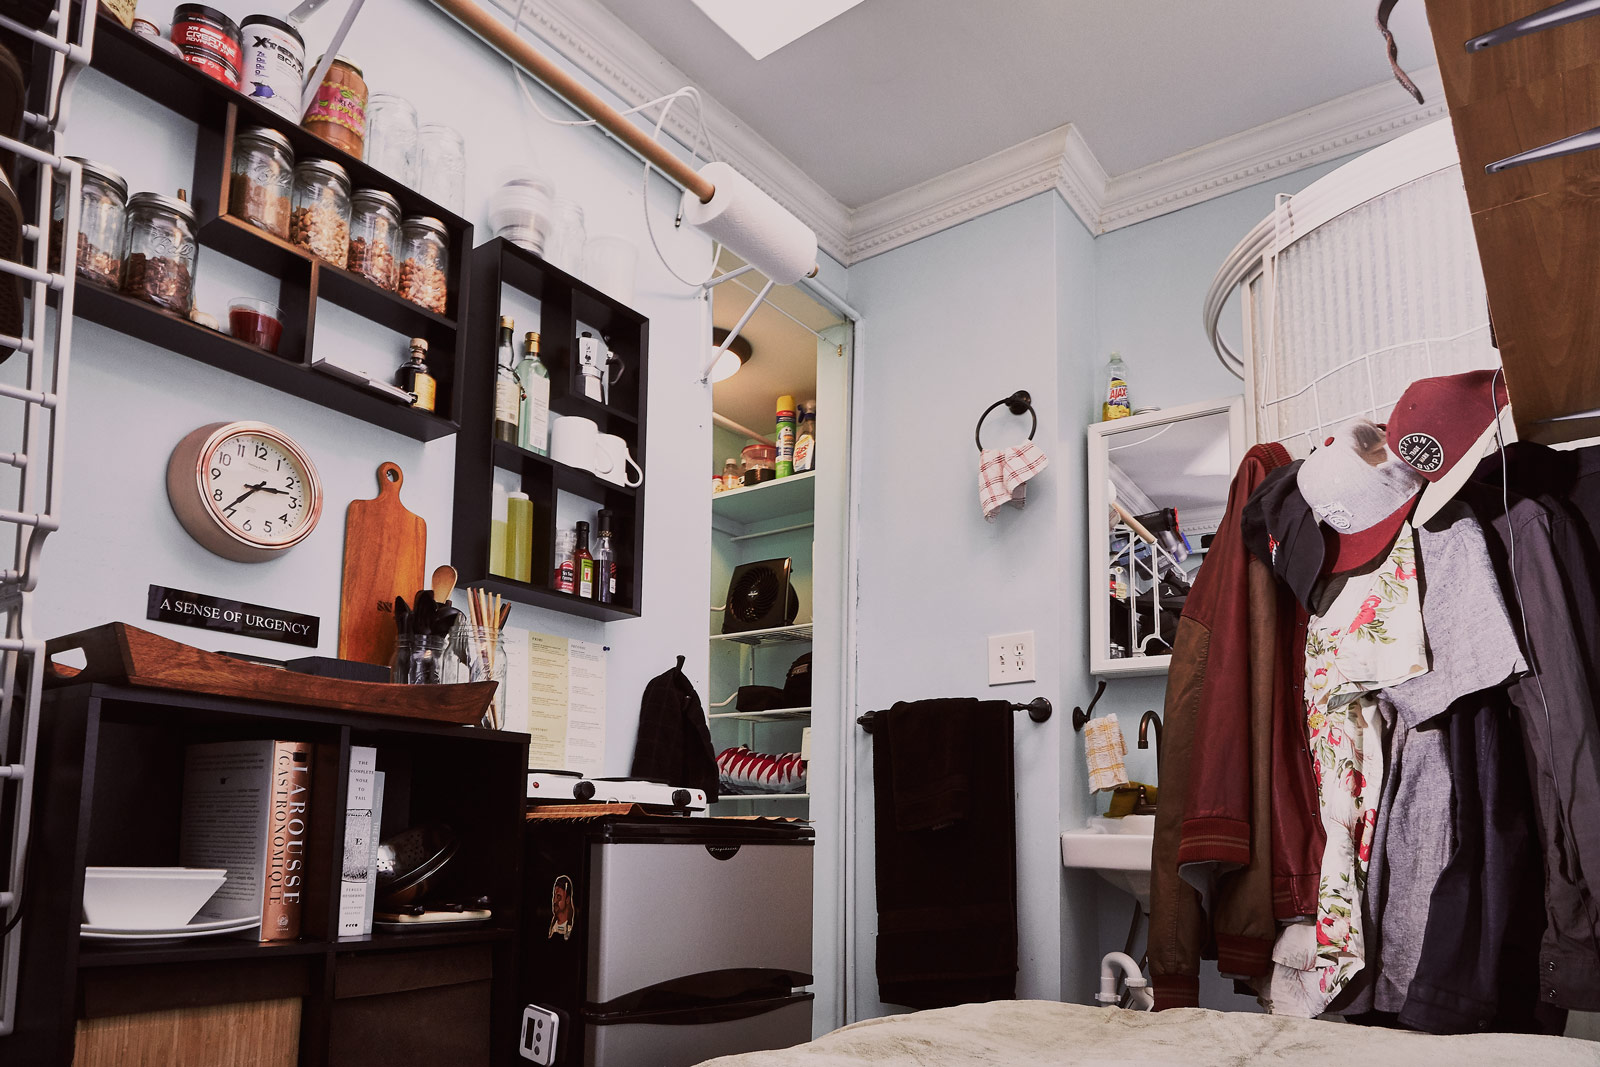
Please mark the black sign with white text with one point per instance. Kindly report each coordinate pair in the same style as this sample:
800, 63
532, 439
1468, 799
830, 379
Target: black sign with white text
184, 608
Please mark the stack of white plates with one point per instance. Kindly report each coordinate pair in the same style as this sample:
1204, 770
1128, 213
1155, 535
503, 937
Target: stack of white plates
206, 928
153, 904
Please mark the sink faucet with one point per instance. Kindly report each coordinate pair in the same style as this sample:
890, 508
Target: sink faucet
1151, 718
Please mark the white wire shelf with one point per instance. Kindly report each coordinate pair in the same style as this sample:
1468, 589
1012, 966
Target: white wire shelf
757, 797
775, 715
769, 500
777, 635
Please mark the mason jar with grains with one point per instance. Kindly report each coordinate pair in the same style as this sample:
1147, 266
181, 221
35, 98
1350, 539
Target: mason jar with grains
374, 236
262, 182
424, 255
321, 218
102, 222
161, 252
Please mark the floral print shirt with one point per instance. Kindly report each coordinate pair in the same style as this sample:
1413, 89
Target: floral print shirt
1371, 637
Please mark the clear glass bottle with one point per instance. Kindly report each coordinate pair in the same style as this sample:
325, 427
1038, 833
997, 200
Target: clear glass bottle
374, 237
391, 145
424, 255
730, 473
261, 185
507, 393
533, 418
321, 218
442, 165
414, 377
583, 563
102, 223
162, 252
605, 562
564, 247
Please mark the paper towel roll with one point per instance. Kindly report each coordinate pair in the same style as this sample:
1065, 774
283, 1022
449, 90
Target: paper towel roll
753, 226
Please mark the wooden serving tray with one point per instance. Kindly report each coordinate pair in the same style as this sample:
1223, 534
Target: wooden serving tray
119, 654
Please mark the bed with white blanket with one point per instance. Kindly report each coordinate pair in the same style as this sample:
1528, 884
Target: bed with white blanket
1036, 1033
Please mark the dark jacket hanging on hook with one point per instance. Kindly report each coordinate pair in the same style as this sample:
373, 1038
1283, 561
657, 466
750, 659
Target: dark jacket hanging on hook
674, 743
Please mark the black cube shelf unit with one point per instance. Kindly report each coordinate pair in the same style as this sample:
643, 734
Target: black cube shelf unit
219, 112
110, 794
566, 304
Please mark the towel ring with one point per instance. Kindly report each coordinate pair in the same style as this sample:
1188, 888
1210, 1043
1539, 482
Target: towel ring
1018, 402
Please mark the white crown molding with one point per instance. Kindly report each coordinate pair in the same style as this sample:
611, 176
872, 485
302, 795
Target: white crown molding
596, 43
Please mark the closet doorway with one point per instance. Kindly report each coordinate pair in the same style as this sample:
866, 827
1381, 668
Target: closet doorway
780, 585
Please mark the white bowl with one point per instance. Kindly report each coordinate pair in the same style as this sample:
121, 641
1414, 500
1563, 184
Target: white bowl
147, 898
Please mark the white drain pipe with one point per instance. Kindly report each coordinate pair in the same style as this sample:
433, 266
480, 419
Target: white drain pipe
1141, 1000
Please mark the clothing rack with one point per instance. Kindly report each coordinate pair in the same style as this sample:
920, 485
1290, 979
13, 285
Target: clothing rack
1038, 709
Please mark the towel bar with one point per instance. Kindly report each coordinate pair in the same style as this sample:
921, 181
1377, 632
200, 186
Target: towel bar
1038, 710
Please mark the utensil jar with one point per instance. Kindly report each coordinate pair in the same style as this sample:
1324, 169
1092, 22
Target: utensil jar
482, 656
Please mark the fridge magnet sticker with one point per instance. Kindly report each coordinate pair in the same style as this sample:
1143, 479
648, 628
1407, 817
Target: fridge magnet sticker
563, 912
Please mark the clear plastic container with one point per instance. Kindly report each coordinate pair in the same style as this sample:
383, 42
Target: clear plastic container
609, 263
442, 165
424, 256
321, 218
374, 237
520, 211
102, 223
162, 252
391, 145
564, 247
261, 187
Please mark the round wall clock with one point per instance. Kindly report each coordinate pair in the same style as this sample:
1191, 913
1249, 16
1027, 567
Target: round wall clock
244, 490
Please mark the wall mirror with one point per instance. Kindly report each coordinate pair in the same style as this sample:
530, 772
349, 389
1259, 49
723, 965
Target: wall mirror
1158, 486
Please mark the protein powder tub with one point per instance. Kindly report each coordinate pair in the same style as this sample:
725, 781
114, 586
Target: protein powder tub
208, 39
274, 70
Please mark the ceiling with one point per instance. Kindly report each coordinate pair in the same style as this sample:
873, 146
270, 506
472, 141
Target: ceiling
894, 92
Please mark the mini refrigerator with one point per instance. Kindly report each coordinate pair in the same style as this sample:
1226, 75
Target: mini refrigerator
663, 941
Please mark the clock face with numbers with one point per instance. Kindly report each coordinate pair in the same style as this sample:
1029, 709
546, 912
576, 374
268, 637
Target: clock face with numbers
244, 490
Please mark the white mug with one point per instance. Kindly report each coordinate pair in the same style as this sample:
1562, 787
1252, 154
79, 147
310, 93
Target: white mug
616, 450
575, 441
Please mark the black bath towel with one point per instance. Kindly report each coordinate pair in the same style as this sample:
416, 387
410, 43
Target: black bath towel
946, 853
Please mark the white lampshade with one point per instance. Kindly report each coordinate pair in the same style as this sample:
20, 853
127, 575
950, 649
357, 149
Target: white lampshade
729, 362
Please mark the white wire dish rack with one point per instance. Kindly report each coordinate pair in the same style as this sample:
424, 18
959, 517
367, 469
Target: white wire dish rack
34, 377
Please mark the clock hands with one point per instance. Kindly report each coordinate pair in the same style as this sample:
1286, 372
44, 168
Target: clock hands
259, 487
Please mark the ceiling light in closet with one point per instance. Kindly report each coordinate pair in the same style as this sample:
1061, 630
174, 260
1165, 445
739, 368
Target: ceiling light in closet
737, 355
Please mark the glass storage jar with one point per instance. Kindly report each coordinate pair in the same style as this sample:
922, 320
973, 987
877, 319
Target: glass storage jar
102, 221
564, 247
391, 145
161, 252
442, 165
262, 182
520, 211
424, 255
374, 236
321, 218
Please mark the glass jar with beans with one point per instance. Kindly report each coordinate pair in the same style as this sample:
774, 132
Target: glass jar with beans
102, 223
261, 185
424, 255
374, 236
320, 221
161, 252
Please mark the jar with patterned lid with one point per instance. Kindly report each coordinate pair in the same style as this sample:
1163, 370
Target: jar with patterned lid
102, 223
424, 257
261, 186
162, 252
374, 236
321, 218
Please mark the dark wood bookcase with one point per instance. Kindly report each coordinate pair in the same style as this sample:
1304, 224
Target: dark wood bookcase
219, 112
565, 305
109, 794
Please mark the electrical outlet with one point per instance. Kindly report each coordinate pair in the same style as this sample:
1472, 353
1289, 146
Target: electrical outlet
539, 1026
1011, 658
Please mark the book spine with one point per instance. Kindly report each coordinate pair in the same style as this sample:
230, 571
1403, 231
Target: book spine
287, 818
357, 844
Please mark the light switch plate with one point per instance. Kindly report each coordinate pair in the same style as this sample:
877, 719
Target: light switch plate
1011, 658
539, 1027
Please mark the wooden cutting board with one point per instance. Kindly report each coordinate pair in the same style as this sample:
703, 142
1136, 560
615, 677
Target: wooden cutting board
384, 551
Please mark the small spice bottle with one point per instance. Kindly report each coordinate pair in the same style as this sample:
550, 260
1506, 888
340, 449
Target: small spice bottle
424, 254
102, 222
262, 183
414, 377
338, 115
374, 236
161, 252
321, 218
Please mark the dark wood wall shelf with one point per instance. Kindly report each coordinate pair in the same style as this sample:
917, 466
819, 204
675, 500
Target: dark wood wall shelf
566, 306
110, 794
303, 280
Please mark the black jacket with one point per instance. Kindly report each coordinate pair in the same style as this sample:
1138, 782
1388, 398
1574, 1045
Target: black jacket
674, 743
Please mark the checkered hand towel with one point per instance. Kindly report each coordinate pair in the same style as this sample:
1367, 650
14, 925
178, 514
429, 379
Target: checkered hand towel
1003, 475
1104, 748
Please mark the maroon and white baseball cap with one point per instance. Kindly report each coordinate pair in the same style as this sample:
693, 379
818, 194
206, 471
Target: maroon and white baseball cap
1441, 427
1360, 492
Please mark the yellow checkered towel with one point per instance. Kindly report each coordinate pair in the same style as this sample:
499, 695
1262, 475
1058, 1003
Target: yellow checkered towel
1104, 749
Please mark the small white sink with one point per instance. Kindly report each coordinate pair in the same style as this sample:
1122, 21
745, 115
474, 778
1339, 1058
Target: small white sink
1117, 849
